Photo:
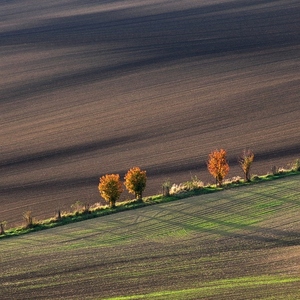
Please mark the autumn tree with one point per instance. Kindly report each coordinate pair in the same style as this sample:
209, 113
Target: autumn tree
217, 165
245, 161
110, 188
135, 182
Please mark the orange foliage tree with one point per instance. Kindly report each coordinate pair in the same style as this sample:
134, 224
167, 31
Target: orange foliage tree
217, 165
135, 182
110, 188
245, 160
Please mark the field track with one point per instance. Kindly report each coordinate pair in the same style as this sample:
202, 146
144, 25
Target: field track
240, 243
95, 87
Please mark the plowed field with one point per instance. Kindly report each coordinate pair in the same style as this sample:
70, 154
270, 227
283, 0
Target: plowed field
95, 87
242, 243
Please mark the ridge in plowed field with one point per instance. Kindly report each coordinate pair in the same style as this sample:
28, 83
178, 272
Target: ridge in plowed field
95, 87
242, 243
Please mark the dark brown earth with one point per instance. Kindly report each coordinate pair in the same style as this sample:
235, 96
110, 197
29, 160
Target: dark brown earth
90, 88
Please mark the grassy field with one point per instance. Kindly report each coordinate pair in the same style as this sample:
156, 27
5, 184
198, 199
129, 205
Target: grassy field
95, 87
240, 243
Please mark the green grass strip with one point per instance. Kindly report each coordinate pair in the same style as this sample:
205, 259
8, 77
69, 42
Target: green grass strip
156, 199
214, 287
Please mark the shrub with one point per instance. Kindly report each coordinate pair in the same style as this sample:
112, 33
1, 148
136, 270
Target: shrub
2, 225
58, 215
177, 189
79, 207
192, 185
135, 182
245, 161
110, 188
233, 180
275, 170
86, 208
166, 186
296, 165
28, 219
217, 165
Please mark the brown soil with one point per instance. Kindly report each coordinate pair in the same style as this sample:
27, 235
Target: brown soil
89, 89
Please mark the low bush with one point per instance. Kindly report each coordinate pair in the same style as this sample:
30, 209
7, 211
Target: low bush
245, 161
27, 216
192, 185
78, 207
234, 180
166, 187
296, 165
2, 226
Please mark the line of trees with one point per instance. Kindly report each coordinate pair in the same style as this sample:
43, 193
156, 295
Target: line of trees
218, 166
111, 187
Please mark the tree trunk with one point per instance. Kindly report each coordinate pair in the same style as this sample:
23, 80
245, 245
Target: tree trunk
2, 229
166, 191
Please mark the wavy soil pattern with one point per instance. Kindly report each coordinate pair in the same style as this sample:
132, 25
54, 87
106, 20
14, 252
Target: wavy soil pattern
91, 88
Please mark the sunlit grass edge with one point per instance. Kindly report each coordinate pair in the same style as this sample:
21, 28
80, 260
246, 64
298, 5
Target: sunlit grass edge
67, 218
214, 287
